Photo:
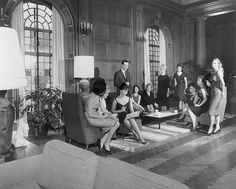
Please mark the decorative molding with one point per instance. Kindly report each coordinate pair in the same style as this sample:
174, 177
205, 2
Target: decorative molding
212, 7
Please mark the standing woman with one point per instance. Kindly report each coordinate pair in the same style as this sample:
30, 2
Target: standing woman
181, 84
217, 92
163, 88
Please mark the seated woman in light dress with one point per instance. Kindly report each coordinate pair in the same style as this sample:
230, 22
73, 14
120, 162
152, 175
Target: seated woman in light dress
98, 116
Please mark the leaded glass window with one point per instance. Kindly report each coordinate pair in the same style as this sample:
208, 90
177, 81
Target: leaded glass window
154, 56
38, 45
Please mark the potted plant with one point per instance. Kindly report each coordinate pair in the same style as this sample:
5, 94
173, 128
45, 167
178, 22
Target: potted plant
44, 110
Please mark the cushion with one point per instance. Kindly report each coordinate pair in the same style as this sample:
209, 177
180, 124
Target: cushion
64, 166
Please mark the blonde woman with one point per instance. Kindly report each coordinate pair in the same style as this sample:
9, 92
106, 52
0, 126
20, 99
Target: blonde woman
217, 92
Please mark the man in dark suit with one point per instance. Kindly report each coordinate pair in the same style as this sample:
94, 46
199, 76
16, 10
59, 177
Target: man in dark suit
122, 76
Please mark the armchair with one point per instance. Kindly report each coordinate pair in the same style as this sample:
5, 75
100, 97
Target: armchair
77, 127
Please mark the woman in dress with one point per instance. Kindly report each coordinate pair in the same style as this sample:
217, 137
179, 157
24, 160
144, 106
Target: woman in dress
147, 99
181, 84
122, 105
202, 106
163, 88
136, 97
98, 117
191, 99
217, 93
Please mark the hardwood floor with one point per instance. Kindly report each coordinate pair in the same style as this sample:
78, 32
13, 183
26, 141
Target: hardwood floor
195, 159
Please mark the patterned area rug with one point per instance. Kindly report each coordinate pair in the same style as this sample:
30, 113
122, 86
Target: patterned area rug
151, 133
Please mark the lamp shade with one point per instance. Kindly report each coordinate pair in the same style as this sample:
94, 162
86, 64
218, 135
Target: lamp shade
12, 70
83, 67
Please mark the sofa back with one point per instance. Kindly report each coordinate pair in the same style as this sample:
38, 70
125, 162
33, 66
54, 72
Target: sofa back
64, 166
115, 174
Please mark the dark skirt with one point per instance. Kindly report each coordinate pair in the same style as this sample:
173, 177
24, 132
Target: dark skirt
180, 92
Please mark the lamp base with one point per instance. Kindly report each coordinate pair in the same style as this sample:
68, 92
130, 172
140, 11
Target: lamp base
6, 125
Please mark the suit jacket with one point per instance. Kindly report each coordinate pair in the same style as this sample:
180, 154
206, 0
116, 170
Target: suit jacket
119, 78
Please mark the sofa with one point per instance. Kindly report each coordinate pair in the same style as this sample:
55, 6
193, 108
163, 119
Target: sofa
77, 127
64, 166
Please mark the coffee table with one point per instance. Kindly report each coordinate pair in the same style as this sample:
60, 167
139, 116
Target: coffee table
160, 116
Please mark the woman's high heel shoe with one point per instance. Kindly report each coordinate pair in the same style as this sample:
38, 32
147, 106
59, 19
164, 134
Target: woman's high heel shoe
100, 145
210, 133
217, 131
143, 141
106, 150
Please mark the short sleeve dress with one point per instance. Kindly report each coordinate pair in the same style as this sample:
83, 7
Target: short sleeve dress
180, 87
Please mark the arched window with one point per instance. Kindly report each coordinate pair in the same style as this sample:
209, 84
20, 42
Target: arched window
154, 56
38, 45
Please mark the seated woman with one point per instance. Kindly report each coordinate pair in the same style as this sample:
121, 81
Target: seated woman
202, 105
136, 97
147, 99
191, 99
123, 105
98, 117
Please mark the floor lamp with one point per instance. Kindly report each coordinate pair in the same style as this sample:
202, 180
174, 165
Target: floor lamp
12, 76
83, 69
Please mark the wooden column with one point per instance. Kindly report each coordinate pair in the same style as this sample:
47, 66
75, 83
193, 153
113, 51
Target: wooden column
201, 41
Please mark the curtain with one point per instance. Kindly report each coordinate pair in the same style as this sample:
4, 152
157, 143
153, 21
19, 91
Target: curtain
22, 127
162, 48
58, 60
18, 24
146, 60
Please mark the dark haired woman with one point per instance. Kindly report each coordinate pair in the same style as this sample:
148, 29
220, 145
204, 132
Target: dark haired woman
202, 105
191, 99
123, 105
136, 97
97, 117
181, 84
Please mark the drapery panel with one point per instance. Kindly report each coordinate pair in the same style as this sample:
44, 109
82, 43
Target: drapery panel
146, 60
58, 60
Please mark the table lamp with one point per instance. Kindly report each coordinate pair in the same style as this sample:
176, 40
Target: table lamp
83, 69
12, 76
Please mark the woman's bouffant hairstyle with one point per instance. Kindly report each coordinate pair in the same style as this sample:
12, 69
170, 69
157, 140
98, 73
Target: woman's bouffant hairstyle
219, 64
135, 87
99, 87
180, 65
123, 86
149, 84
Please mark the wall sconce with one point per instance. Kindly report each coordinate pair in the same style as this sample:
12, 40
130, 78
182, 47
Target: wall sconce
86, 28
141, 37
